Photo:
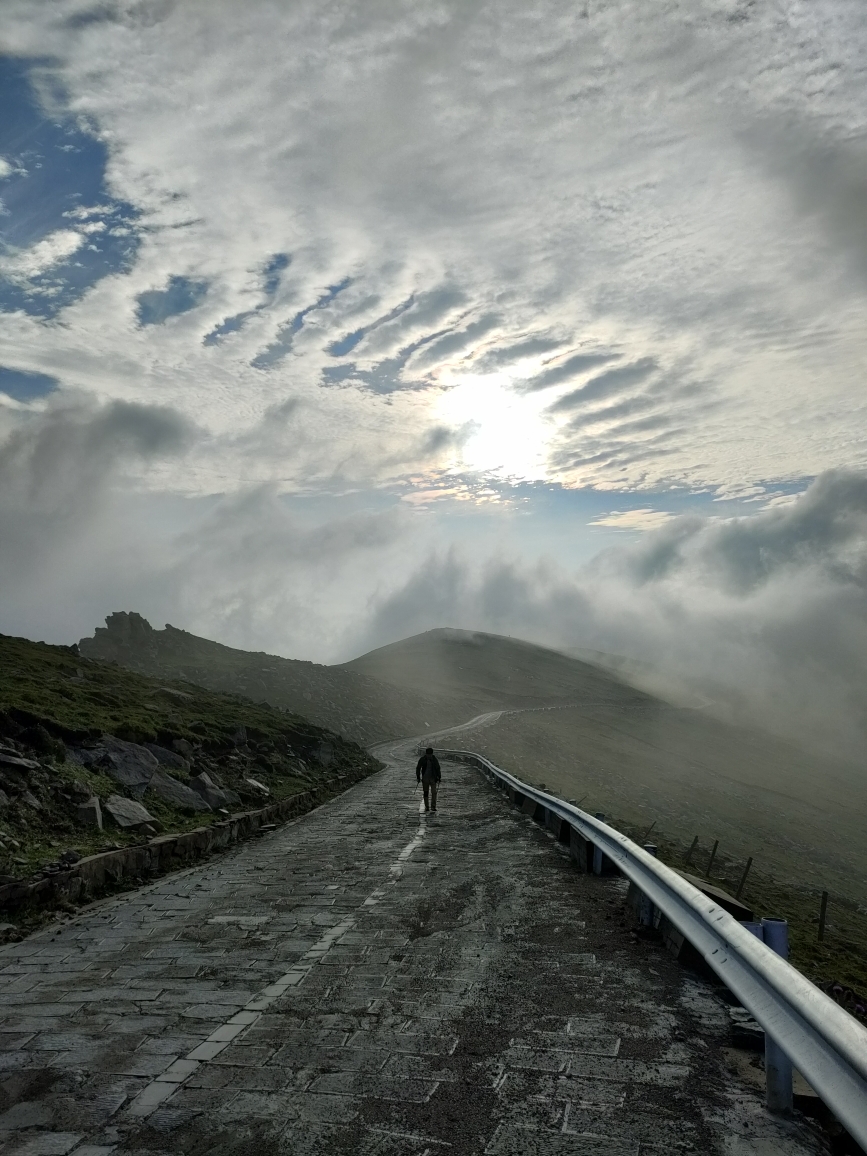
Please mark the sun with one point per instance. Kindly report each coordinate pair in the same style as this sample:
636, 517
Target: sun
509, 432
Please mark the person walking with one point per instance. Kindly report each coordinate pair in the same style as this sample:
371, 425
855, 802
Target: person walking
427, 772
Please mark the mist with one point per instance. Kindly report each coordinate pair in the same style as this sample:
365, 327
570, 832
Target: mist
761, 620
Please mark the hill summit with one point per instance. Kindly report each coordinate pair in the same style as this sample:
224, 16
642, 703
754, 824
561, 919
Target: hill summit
433, 680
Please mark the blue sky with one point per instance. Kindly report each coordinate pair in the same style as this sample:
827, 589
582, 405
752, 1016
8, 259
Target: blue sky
353, 291
54, 186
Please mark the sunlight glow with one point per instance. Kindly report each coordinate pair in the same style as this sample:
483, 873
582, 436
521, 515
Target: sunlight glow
510, 432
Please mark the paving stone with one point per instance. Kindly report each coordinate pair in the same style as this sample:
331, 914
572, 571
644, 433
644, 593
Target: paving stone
513, 1141
45, 1144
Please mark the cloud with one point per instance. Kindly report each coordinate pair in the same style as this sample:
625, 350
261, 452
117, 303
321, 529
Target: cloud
601, 197
84, 526
57, 466
52, 250
572, 367
643, 519
765, 615
612, 381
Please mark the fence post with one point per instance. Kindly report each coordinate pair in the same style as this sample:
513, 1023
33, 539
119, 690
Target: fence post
778, 1066
744, 877
597, 851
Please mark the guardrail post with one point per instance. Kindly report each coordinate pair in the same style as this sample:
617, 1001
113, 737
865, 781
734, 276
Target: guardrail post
778, 1066
597, 851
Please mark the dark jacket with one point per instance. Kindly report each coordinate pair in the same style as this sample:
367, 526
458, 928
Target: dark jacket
427, 767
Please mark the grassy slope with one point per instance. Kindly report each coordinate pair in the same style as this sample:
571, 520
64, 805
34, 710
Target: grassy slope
691, 776
491, 672
340, 698
74, 700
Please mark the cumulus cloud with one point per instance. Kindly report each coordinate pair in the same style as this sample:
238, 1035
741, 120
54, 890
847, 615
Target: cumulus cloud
26, 264
764, 617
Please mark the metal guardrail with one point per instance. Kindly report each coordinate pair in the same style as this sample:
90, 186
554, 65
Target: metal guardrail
826, 1045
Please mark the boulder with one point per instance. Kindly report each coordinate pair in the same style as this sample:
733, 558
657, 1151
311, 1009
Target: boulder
127, 812
130, 765
90, 813
216, 797
167, 758
178, 794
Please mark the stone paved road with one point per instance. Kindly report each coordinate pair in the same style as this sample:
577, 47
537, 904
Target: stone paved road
365, 981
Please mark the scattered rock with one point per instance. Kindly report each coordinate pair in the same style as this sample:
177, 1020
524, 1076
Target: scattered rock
167, 758
69, 857
239, 738
172, 791
258, 786
16, 762
325, 754
79, 791
182, 746
4, 799
90, 813
129, 764
31, 801
127, 812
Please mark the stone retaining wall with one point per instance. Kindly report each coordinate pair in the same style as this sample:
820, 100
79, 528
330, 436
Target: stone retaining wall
85, 879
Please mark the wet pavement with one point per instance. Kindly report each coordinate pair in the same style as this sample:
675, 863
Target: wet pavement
368, 979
